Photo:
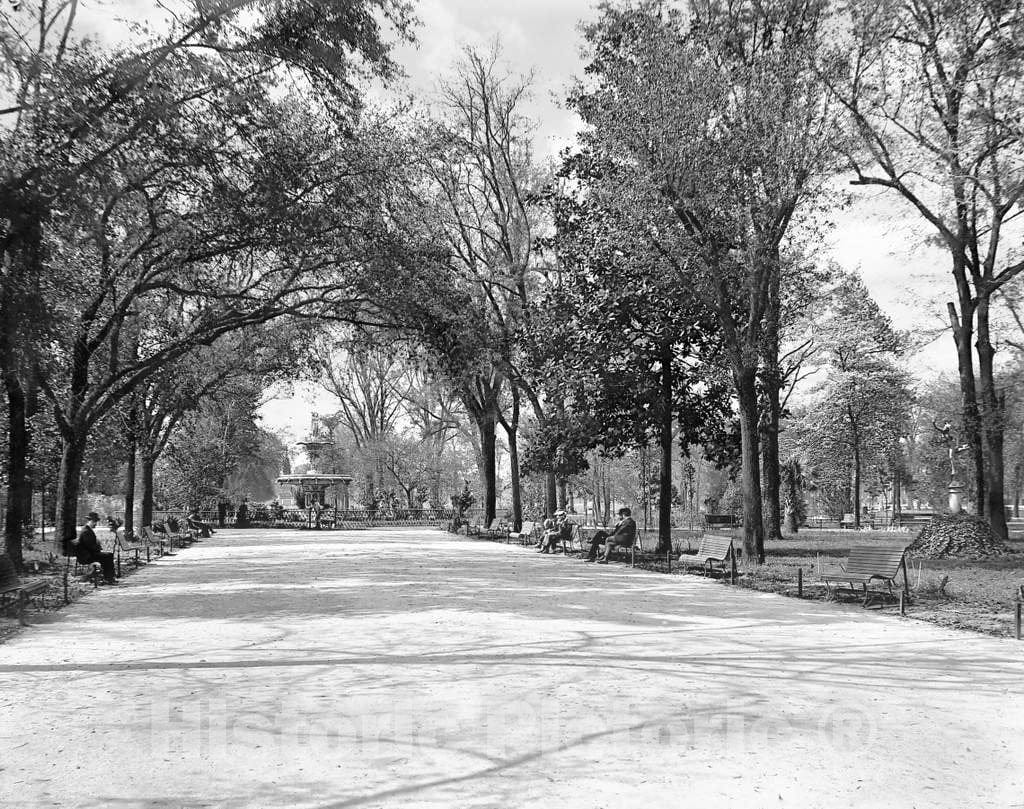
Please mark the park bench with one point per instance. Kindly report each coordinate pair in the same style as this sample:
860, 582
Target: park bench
155, 539
477, 529
524, 535
134, 546
13, 589
866, 566
713, 550
72, 567
628, 553
569, 540
497, 529
721, 521
182, 538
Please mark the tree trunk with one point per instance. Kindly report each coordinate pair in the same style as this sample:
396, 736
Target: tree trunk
129, 488
487, 426
665, 445
1016, 491
146, 507
856, 481
18, 512
963, 333
792, 493
550, 494
992, 412
753, 524
606, 515
772, 381
511, 430
68, 482
897, 496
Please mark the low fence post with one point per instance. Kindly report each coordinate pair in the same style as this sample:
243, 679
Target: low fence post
1019, 604
799, 582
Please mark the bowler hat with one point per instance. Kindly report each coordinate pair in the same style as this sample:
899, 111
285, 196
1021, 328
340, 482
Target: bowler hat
92, 515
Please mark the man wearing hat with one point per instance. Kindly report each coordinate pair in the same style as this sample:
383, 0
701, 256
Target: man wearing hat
89, 550
623, 535
553, 533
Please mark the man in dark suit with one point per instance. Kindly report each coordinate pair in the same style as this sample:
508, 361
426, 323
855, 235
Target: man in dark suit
622, 535
88, 549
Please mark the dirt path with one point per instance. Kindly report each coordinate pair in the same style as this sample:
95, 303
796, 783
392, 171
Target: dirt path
411, 669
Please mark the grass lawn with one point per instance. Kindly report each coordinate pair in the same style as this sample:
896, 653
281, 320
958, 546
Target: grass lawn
975, 595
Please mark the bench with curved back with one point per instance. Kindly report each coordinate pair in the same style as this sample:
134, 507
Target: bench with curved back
132, 546
154, 539
72, 567
524, 535
497, 529
869, 565
13, 589
713, 550
569, 537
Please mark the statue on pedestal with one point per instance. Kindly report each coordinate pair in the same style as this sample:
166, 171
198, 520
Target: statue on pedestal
956, 488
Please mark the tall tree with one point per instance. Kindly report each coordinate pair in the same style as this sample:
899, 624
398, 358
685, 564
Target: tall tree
93, 135
77, 113
622, 343
369, 383
724, 116
862, 408
485, 175
934, 89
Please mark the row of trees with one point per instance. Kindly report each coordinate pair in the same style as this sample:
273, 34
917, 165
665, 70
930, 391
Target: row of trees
679, 257
162, 199
660, 287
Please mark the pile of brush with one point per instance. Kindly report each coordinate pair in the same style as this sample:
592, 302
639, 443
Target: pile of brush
960, 536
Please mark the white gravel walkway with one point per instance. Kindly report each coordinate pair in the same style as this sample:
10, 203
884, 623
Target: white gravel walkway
413, 669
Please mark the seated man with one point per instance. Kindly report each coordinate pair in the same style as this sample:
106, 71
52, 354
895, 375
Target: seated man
623, 535
87, 548
547, 525
553, 534
195, 524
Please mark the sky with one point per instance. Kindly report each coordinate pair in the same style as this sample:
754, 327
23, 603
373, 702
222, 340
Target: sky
877, 236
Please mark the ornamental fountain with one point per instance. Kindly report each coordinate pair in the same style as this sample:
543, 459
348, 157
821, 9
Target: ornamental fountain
314, 484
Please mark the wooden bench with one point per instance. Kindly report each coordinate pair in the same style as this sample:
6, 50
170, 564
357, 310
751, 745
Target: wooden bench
134, 546
154, 539
13, 589
182, 538
571, 538
72, 567
712, 550
498, 529
721, 521
526, 533
868, 565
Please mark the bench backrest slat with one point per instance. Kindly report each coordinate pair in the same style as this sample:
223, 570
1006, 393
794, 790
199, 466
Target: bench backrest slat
713, 546
867, 561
